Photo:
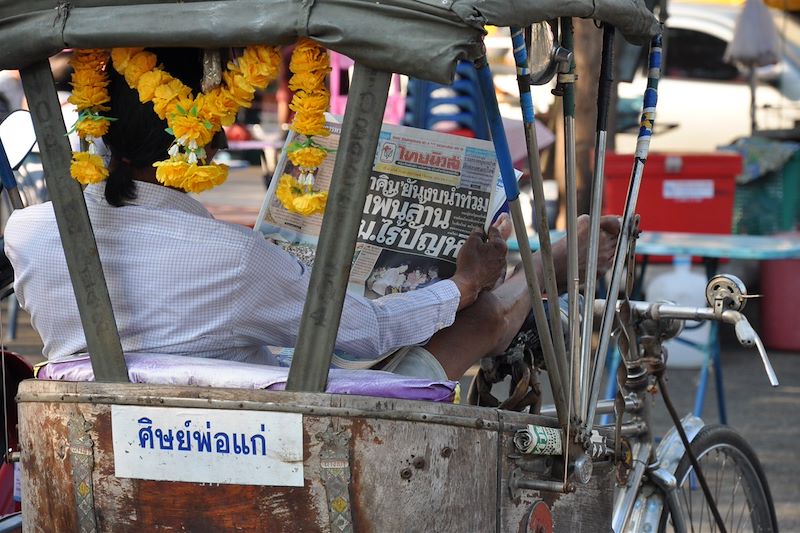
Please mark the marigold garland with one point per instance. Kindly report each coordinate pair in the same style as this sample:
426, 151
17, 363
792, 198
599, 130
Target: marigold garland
90, 96
192, 120
309, 66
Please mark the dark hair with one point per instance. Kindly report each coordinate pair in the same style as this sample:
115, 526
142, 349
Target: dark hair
137, 137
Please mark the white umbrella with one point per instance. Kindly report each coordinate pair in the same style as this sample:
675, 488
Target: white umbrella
755, 43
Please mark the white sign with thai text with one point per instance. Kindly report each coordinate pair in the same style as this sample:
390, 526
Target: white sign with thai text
688, 190
208, 445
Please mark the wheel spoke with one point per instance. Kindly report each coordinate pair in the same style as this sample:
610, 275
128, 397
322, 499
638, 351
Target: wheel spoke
735, 483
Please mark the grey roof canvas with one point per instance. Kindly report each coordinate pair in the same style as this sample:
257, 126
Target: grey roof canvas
421, 38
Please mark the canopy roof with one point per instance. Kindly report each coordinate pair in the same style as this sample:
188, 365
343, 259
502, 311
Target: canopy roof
421, 38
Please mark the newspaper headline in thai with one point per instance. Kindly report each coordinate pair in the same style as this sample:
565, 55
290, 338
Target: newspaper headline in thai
427, 192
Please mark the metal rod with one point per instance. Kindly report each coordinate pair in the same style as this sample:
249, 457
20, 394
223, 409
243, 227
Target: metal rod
337, 240
539, 484
626, 231
537, 185
568, 82
603, 98
632, 403
509, 177
74, 227
626, 496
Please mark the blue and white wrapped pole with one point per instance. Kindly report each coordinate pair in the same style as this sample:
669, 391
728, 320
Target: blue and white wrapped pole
537, 185
8, 179
511, 187
626, 233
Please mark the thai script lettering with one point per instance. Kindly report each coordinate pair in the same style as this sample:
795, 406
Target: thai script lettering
201, 438
432, 160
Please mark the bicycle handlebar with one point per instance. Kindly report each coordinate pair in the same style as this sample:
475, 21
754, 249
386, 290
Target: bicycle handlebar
745, 333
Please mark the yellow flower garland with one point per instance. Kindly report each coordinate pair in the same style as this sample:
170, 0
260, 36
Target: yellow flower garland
90, 96
309, 66
194, 120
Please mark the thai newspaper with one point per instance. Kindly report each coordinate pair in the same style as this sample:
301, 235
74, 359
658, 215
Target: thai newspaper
427, 191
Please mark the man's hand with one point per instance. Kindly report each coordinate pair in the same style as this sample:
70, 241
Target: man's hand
480, 263
609, 232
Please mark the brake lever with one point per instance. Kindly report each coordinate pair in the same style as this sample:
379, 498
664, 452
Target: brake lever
747, 336
745, 333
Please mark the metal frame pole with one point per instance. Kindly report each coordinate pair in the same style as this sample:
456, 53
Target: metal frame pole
512, 193
337, 240
603, 98
627, 226
537, 186
74, 227
568, 81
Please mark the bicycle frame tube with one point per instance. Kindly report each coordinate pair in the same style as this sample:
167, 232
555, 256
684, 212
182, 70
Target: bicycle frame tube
642, 148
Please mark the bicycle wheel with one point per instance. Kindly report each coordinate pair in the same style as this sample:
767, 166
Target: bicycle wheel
734, 477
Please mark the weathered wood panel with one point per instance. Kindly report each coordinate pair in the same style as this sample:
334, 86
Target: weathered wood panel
376, 465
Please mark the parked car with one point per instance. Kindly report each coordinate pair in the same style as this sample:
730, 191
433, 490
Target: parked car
704, 102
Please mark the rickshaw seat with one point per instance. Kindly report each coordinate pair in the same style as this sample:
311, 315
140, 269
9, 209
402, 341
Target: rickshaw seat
205, 372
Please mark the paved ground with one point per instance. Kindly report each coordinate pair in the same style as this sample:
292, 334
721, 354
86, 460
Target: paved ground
766, 417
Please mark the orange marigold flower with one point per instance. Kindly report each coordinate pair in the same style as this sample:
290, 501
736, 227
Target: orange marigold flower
310, 203
288, 188
121, 56
259, 65
310, 124
218, 107
89, 59
313, 102
308, 55
239, 89
188, 128
88, 168
308, 157
149, 82
89, 98
172, 173
308, 81
92, 128
167, 96
204, 177
92, 77
266, 54
138, 65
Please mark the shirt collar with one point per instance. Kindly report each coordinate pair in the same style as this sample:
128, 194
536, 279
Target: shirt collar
155, 196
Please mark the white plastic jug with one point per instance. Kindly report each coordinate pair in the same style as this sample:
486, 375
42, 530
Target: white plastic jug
683, 286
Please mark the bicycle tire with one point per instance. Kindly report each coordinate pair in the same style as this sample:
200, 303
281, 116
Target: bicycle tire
734, 475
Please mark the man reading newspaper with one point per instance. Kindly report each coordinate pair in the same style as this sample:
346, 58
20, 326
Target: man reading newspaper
182, 283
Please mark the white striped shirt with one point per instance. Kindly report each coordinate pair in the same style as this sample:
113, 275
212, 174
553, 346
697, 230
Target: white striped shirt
184, 283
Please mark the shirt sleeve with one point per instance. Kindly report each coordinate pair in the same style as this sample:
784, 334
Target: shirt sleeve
271, 292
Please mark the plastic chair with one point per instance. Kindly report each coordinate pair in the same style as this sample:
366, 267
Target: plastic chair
340, 83
446, 107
